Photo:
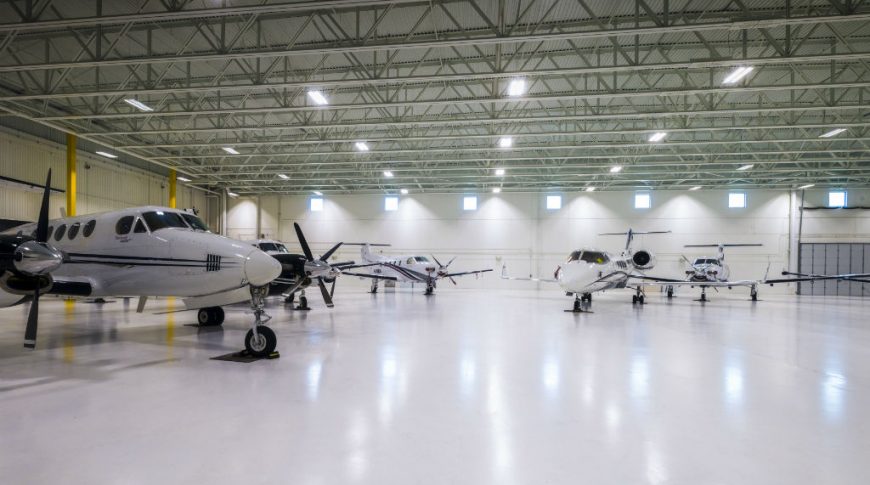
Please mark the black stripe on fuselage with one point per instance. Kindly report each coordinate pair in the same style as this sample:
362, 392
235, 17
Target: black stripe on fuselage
136, 258
413, 275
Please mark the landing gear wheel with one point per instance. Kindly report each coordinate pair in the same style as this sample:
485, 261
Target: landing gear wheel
754, 294
303, 303
577, 306
263, 343
211, 316
640, 299
633, 299
290, 298
670, 291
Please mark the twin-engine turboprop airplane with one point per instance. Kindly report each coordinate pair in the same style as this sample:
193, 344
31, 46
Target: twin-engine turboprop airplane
407, 269
141, 251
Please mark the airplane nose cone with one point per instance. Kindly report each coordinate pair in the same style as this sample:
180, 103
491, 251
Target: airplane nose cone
260, 268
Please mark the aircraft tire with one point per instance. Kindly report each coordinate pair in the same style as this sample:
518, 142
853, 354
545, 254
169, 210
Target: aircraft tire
264, 345
210, 316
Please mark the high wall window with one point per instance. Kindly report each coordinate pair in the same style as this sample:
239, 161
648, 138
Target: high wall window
315, 204
469, 203
391, 203
737, 200
554, 202
642, 200
837, 198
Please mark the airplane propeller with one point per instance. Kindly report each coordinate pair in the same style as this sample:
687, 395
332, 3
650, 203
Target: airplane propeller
320, 265
443, 267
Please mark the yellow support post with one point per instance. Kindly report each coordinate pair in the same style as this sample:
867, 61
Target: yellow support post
70, 175
173, 179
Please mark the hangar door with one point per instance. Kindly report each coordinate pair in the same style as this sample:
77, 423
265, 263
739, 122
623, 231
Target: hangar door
834, 258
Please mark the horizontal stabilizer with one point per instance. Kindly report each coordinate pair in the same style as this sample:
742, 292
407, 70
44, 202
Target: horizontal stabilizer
722, 245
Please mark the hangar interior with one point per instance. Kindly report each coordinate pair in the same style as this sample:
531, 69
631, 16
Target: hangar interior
504, 134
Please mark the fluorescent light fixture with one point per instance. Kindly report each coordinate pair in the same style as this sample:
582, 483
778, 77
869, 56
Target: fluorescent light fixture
496, 190
315, 204
807, 186
505, 142
833, 132
499, 172
404, 191
616, 169
107, 155
388, 174
554, 202
745, 167
657, 136
361, 146
281, 175
837, 198
737, 200
182, 178
318, 98
737, 75
697, 187
232, 194
317, 192
469, 203
517, 87
590, 189
642, 200
231, 150
391, 203
138, 104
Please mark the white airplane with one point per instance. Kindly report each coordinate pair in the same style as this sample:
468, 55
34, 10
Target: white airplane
591, 270
408, 269
141, 251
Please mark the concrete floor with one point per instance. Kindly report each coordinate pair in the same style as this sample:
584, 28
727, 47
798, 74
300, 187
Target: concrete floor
473, 387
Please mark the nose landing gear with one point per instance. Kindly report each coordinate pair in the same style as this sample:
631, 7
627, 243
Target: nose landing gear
582, 303
703, 294
753, 293
260, 341
430, 288
638, 297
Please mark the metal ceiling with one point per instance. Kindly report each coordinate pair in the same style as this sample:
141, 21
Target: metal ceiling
424, 84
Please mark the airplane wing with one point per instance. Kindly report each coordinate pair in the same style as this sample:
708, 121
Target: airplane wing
655, 281
372, 276
451, 275
505, 276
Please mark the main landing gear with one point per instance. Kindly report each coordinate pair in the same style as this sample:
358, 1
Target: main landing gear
374, 287
260, 340
581, 303
670, 291
211, 316
753, 293
638, 296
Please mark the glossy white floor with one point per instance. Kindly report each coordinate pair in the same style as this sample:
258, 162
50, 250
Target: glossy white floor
463, 387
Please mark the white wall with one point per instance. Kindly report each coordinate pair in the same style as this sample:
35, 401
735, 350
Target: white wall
106, 185
519, 230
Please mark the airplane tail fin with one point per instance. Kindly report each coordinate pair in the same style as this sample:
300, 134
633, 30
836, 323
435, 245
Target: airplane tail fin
721, 247
365, 250
630, 235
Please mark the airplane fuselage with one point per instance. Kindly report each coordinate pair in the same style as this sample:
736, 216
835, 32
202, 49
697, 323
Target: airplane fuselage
591, 270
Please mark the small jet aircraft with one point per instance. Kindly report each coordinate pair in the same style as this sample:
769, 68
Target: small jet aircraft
408, 269
589, 270
299, 271
141, 251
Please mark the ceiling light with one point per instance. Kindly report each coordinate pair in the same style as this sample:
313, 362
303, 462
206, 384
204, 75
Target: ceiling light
496, 190
697, 187
361, 146
590, 189
745, 167
108, 155
388, 173
281, 175
182, 178
807, 186
404, 191
616, 169
138, 104
833, 132
499, 171
658, 136
318, 98
232, 194
737, 74
517, 87
317, 192
505, 142
231, 150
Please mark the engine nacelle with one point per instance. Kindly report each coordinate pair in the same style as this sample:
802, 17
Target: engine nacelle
25, 285
643, 259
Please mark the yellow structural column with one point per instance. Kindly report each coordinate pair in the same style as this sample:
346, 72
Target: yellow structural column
70, 175
173, 179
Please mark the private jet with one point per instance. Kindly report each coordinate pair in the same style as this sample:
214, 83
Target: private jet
146, 251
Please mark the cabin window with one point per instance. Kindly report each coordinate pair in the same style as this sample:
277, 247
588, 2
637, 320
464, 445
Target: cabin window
89, 228
160, 220
74, 230
61, 230
410, 261
124, 225
195, 222
140, 227
421, 259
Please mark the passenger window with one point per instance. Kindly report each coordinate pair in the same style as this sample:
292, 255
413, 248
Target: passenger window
140, 227
410, 261
124, 225
61, 230
89, 228
74, 230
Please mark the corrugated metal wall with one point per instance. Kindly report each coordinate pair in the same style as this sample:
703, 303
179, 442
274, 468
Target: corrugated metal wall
834, 258
102, 185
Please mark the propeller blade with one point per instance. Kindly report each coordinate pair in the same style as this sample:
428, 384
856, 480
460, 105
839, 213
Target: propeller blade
452, 280
323, 291
303, 242
42, 224
436, 261
32, 322
451, 261
332, 289
327, 254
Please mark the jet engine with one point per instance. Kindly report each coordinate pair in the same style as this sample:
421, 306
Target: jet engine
643, 259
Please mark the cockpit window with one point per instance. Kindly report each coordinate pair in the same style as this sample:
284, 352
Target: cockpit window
195, 222
421, 259
281, 248
124, 225
160, 220
574, 256
268, 246
594, 257
706, 261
